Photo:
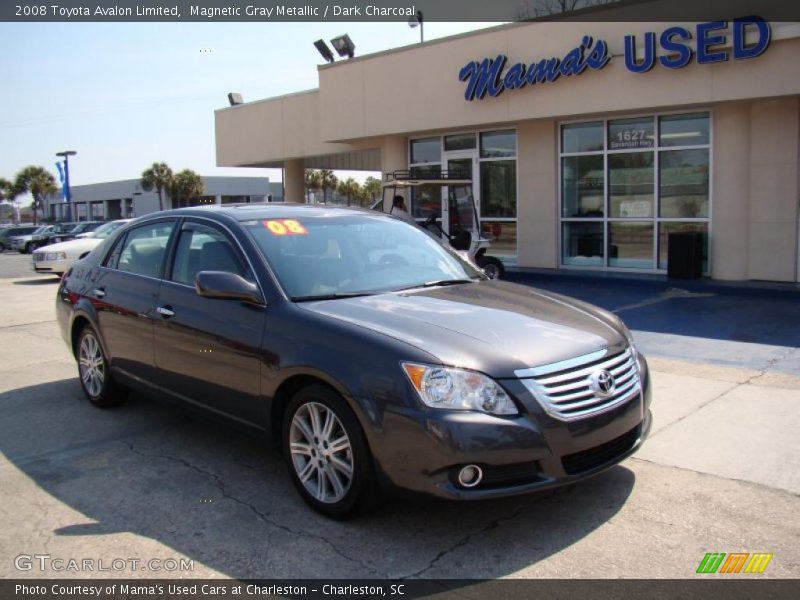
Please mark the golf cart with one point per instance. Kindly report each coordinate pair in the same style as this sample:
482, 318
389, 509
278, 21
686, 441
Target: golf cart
460, 225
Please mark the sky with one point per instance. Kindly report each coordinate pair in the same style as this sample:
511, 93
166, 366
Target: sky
124, 95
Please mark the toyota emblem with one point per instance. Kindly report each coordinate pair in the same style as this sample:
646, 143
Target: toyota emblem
602, 383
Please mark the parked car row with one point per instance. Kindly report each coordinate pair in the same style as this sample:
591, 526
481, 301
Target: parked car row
26, 239
55, 258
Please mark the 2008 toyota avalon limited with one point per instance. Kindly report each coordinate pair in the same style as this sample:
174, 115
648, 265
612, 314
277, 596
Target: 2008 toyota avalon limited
374, 354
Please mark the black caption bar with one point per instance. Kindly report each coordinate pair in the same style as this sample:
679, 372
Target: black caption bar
337, 589
391, 10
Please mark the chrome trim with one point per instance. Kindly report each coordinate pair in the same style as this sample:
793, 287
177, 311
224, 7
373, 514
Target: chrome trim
564, 389
561, 365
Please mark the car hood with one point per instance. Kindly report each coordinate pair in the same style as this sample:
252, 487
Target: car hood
491, 326
73, 248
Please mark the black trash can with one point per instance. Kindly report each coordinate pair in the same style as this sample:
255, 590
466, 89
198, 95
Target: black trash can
685, 255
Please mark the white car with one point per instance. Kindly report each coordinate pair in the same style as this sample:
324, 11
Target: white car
56, 258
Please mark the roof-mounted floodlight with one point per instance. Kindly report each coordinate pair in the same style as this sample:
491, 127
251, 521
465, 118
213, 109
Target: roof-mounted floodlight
235, 98
323, 49
344, 46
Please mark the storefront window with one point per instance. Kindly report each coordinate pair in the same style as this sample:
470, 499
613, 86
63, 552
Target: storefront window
630, 245
504, 237
630, 185
624, 188
631, 134
582, 186
683, 183
684, 130
499, 188
427, 199
582, 244
428, 150
495, 144
582, 137
459, 141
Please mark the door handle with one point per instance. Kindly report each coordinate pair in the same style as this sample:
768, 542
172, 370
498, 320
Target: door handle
99, 293
165, 311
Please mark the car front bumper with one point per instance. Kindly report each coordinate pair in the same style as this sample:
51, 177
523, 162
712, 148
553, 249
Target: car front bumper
424, 450
50, 266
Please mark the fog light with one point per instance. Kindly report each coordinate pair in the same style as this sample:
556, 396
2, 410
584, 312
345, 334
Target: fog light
470, 476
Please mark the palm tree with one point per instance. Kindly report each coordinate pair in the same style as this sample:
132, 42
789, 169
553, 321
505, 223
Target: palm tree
372, 189
328, 181
36, 181
184, 186
7, 194
159, 177
349, 188
313, 181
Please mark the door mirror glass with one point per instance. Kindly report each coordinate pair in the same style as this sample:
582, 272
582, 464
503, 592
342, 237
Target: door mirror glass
226, 286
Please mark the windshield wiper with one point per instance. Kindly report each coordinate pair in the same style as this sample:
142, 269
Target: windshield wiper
438, 283
334, 296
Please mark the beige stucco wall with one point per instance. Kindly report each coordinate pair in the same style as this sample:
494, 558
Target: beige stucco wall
537, 196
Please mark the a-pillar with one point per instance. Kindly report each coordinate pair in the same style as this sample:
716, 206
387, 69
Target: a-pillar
294, 182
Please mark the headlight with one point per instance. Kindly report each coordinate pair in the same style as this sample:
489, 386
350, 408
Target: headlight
55, 256
457, 389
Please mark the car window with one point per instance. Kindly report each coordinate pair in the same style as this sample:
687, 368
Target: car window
143, 249
202, 248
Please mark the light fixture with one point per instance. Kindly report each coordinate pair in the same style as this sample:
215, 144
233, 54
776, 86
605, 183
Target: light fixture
235, 98
344, 46
323, 49
415, 20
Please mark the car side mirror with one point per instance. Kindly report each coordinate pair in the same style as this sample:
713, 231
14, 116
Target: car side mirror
226, 286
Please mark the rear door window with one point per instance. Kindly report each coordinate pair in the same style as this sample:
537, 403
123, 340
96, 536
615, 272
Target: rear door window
143, 249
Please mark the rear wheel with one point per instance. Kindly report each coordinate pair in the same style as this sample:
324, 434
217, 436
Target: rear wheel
492, 266
95, 376
327, 454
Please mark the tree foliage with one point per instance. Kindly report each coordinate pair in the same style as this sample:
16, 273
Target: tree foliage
36, 181
184, 186
157, 177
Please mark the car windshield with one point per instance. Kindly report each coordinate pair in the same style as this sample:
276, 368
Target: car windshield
338, 256
42, 229
106, 229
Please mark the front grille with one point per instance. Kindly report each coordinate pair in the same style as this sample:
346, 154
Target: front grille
38, 257
587, 460
568, 390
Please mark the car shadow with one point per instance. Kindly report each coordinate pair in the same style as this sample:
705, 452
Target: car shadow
225, 500
49, 281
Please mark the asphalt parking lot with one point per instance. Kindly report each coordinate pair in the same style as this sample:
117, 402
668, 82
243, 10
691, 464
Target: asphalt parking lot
720, 473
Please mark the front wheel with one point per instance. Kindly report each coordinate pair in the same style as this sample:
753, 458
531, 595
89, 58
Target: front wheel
327, 454
94, 373
30, 247
492, 267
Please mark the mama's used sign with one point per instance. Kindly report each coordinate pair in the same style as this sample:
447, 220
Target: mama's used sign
490, 75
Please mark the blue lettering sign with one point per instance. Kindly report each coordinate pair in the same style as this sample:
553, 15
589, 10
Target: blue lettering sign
705, 41
487, 76
649, 58
668, 43
739, 32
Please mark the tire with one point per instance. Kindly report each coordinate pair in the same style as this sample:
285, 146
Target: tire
29, 248
319, 472
492, 266
93, 372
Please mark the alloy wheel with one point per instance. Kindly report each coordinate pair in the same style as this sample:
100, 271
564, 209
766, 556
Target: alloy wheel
91, 365
321, 453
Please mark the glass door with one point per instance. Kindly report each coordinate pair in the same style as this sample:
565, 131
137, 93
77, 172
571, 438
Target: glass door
458, 201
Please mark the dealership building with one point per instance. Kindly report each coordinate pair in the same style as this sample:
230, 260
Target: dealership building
588, 143
126, 198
